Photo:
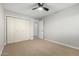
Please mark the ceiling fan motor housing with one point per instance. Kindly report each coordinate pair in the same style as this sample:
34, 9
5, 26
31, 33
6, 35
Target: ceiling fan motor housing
42, 6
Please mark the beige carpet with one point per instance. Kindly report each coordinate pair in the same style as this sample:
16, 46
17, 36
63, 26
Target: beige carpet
38, 48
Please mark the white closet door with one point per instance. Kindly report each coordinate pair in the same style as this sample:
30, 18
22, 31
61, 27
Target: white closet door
17, 30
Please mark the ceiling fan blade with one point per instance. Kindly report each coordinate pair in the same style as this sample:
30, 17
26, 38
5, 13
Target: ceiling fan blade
35, 8
45, 8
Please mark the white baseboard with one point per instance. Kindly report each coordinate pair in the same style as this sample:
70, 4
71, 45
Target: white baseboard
1, 50
63, 44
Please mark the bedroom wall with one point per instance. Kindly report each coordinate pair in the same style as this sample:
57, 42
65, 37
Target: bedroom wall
63, 27
1, 28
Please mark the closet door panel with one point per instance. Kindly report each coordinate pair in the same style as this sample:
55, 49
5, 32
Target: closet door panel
17, 30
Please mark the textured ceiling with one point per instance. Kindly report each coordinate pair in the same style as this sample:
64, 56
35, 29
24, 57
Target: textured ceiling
26, 8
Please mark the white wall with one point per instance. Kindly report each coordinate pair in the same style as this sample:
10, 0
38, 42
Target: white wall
41, 29
1, 28
63, 26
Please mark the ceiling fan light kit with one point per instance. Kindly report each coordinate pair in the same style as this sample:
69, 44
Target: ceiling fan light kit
41, 7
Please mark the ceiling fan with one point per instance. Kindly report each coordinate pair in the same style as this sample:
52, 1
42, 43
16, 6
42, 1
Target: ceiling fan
41, 7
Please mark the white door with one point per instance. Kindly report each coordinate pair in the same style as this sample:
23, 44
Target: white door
35, 29
41, 29
17, 30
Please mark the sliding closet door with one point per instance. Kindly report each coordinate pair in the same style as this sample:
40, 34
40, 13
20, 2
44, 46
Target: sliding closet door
18, 30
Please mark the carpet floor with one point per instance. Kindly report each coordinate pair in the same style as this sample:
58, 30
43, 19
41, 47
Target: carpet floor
38, 48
